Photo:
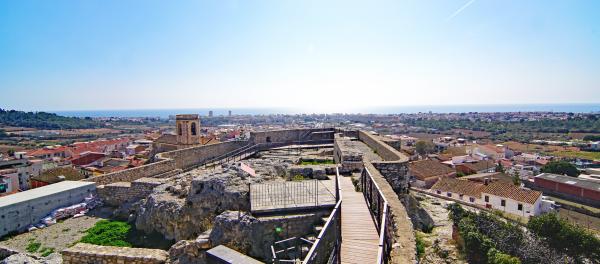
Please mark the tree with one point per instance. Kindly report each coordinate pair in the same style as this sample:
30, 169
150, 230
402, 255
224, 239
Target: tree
561, 167
515, 178
424, 147
565, 237
499, 167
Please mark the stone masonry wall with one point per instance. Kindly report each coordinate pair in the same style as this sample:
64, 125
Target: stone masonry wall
289, 135
185, 158
133, 174
118, 193
384, 150
403, 249
83, 253
396, 173
168, 161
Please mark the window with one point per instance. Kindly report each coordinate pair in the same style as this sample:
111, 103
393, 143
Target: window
460, 196
193, 129
487, 199
439, 192
179, 131
520, 207
471, 199
502, 202
449, 194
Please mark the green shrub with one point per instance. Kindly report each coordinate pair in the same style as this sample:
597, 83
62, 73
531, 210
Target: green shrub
420, 245
108, 233
298, 177
46, 251
496, 257
33, 246
565, 237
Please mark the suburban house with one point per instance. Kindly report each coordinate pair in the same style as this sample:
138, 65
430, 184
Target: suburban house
495, 152
497, 195
488, 177
481, 166
425, 173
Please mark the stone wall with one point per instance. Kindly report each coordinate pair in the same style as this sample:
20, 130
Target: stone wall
403, 249
168, 161
133, 174
118, 193
83, 253
6, 252
189, 157
290, 135
254, 236
396, 173
384, 150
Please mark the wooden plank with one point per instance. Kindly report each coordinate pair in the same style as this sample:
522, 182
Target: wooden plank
360, 241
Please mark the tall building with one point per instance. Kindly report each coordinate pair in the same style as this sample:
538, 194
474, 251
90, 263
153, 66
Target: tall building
229, 112
210, 113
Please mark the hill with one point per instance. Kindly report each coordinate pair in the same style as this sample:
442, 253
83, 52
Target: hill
43, 120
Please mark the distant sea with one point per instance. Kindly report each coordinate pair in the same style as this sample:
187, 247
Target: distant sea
165, 113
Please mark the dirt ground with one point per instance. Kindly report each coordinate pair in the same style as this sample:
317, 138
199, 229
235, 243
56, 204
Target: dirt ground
445, 251
58, 236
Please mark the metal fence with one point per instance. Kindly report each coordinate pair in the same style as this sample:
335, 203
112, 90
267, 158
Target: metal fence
380, 210
327, 247
286, 194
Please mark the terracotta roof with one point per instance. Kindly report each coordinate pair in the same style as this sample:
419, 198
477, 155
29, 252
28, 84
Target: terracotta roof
428, 168
509, 190
498, 188
458, 186
480, 165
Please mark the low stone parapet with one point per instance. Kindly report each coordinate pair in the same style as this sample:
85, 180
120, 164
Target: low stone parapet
83, 253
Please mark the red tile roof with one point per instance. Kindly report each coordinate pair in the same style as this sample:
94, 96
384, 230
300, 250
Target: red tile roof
424, 169
509, 190
459, 186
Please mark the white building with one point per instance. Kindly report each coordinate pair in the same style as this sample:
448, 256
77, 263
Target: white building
496, 195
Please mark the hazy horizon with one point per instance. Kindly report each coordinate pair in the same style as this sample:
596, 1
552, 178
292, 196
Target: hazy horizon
320, 56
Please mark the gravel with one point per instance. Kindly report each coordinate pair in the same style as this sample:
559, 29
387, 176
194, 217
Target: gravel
58, 236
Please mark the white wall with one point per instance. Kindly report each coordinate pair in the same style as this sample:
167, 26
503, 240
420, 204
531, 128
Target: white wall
511, 206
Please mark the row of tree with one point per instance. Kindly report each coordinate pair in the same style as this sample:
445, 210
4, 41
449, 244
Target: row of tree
43, 120
586, 125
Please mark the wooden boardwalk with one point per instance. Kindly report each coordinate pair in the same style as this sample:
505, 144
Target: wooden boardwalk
360, 240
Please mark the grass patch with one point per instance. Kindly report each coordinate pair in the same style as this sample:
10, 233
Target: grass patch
578, 154
420, 244
298, 177
316, 162
108, 233
33, 246
46, 251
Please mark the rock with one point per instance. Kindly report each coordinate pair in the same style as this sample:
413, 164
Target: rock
207, 194
20, 258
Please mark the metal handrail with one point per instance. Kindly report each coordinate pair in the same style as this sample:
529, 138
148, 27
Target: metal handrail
381, 215
336, 215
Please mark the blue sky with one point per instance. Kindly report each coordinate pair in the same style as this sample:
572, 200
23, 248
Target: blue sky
317, 55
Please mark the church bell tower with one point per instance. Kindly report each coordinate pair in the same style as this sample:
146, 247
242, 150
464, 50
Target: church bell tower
188, 129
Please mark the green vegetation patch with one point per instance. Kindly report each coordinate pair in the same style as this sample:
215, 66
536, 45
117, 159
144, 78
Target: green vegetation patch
577, 154
561, 168
42, 120
46, 251
33, 246
108, 233
316, 162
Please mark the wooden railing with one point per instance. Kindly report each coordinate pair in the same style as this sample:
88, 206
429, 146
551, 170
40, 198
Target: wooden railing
380, 210
326, 249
